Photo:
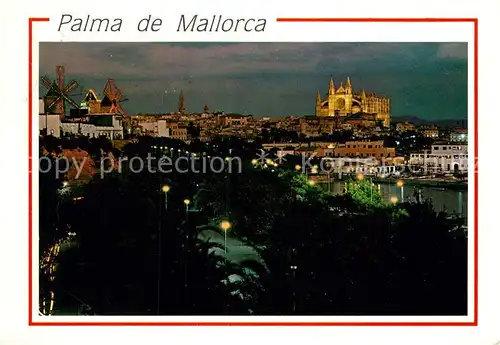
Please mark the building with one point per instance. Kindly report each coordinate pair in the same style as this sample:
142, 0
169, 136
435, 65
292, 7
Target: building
444, 158
459, 136
312, 126
366, 166
176, 130
109, 126
280, 146
429, 131
343, 101
50, 124
233, 120
364, 149
405, 127
361, 120
154, 127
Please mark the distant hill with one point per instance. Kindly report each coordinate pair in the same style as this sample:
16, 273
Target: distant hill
441, 123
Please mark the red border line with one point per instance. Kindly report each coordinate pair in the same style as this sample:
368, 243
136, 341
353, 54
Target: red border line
30, 164
476, 184
377, 20
295, 20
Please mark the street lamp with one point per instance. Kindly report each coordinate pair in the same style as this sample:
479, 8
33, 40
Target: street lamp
294, 269
225, 226
394, 199
400, 184
187, 202
165, 190
298, 167
360, 177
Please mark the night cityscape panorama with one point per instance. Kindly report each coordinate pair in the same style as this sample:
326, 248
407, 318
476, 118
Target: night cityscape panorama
269, 79
253, 179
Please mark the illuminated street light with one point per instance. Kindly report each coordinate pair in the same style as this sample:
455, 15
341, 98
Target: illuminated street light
314, 170
400, 184
225, 226
254, 161
360, 177
394, 199
311, 182
65, 183
165, 190
298, 167
187, 202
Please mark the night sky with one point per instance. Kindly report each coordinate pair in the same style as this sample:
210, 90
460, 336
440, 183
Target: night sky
428, 80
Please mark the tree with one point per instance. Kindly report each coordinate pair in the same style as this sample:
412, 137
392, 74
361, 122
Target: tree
323, 255
364, 194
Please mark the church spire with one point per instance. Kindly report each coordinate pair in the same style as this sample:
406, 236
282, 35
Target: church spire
341, 88
182, 103
206, 109
331, 88
318, 98
348, 83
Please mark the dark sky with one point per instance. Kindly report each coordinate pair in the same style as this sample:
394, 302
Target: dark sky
428, 80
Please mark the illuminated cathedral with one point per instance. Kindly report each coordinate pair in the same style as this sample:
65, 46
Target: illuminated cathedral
343, 102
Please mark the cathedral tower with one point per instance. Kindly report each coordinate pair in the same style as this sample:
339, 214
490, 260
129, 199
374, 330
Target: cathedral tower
344, 102
182, 103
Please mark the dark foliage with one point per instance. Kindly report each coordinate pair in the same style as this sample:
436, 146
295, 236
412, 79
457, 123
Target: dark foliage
344, 255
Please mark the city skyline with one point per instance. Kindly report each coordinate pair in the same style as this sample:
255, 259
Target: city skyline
428, 80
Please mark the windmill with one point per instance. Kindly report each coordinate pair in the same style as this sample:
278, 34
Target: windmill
112, 98
58, 93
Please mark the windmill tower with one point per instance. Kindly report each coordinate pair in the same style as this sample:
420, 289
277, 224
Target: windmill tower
58, 93
112, 98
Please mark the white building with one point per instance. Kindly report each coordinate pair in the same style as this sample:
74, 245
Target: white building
50, 124
156, 128
346, 165
109, 126
444, 158
41, 106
